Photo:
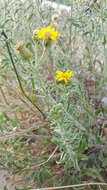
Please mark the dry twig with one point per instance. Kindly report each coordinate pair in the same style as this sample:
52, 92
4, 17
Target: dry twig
41, 164
69, 186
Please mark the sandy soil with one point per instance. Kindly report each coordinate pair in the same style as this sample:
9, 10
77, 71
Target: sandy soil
4, 180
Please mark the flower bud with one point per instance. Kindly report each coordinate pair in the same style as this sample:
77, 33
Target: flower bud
23, 51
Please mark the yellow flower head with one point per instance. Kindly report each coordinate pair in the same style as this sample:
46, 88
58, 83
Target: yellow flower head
64, 76
47, 34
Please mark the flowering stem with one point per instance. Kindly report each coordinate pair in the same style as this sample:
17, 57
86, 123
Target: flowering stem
104, 48
51, 65
32, 81
33, 86
18, 77
41, 58
70, 29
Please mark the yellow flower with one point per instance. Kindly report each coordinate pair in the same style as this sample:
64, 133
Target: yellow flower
64, 76
47, 34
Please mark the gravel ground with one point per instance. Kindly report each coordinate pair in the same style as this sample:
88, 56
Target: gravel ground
4, 181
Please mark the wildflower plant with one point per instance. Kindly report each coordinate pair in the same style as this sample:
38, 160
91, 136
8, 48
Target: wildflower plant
50, 106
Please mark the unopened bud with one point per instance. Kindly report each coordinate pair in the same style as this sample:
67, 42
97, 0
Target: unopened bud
23, 51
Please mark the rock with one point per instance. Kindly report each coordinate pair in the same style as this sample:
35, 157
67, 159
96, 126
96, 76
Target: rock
104, 103
104, 91
60, 8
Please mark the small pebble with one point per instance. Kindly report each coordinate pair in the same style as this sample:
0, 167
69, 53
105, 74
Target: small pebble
104, 101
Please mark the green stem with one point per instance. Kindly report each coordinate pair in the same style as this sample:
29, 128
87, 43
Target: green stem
41, 58
104, 48
70, 29
33, 84
32, 81
18, 78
